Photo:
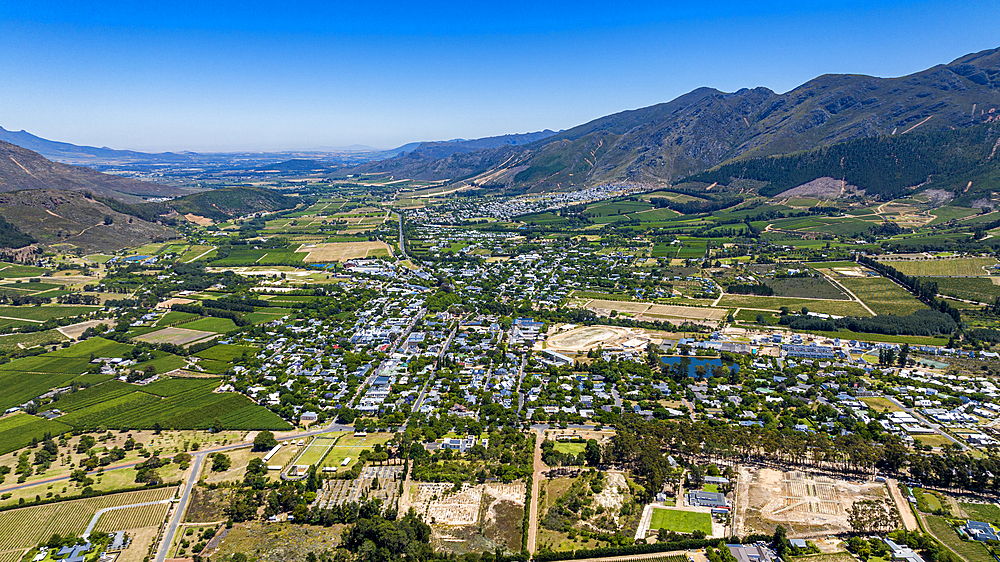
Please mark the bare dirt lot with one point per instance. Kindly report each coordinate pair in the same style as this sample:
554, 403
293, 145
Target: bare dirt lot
475, 518
659, 312
589, 337
807, 505
343, 251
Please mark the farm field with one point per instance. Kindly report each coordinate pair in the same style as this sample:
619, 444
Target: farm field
963, 267
43, 313
174, 403
341, 251
806, 287
979, 289
883, 296
131, 518
681, 521
70, 517
210, 324
836, 307
18, 430
971, 551
225, 352
176, 335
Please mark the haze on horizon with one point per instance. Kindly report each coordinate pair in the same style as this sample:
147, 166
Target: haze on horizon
302, 75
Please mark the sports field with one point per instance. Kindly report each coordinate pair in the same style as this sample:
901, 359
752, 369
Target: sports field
343, 251
681, 521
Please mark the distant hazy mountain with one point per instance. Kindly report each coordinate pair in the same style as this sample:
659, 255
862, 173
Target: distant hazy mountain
66, 152
706, 127
22, 169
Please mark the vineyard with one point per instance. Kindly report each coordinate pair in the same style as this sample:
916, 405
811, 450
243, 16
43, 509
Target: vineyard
27, 526
18, 430
174, 403
131, 518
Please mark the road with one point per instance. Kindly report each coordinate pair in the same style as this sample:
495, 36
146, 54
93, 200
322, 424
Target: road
427, 383
520, 379
168, 536
536, 484
402, 241
936, 427
905, 513
838, 285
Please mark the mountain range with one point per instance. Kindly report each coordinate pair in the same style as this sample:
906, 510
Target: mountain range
702, 129
22, 169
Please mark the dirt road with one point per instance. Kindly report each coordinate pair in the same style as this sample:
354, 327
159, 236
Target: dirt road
905, 513
536, 486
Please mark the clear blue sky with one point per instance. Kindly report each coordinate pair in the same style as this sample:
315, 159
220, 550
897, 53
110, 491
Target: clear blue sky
251, 75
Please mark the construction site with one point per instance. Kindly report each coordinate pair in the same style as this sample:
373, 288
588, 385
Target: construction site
806, 505
474, 518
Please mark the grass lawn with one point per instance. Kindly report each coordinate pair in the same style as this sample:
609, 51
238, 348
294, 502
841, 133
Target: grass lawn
710, 488
877, 403
573, 448
350, 446
681, 521
927, 501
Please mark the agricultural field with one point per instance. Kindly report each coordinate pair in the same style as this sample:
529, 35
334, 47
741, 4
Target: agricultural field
18, 430
131, 518
806, 287
836, 307
679, 521
210, 324
959, 267
979, 289
883, 296
177, 335
25, 527
225, 352
43, 313
174, 403
972, 551
342, 251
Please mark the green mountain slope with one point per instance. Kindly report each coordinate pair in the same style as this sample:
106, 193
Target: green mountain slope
72, 218
963, 161
22, 169
706, 127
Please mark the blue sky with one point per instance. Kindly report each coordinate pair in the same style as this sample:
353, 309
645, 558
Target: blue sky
215, 76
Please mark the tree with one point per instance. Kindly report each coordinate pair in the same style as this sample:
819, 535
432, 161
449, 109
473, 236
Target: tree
217, 426
903, 352
221, 462
264, 441
873, 516
779, 541
592, 452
